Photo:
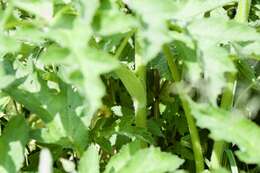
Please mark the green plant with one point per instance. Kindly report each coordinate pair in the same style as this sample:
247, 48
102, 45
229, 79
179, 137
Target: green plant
129, 86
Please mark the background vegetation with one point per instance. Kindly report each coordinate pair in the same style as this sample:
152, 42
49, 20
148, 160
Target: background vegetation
136, 86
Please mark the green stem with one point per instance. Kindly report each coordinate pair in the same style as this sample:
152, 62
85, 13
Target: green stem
227, 98
140, 67
243, 10
196, 146
226, 103
156, 93
172, 66
232, 161
141, 108
123, 44
134, 83
16, 107
228, 94
136, 90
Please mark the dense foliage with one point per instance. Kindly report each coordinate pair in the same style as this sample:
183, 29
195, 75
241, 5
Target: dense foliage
129, 86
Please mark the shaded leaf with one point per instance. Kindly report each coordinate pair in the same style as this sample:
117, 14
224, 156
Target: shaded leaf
60, 111
12, 146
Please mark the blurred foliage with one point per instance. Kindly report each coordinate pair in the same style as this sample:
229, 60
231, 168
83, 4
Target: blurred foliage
76, 77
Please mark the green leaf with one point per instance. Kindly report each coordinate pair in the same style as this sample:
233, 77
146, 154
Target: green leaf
93, 63
221, 170
36, 35
219, 30
68, 165
5, 78
109, 11
12, 145
141, 161
153, 31
119, 160
154, 14
83, 69
60, 111
160, 63
55, 54
187, 53
136, 89
215, 57
41, 8
216, 63
250, 50
134, 132
8, 44
89, 162
45, 162
124, 126
188, 9
224, 125
132, 84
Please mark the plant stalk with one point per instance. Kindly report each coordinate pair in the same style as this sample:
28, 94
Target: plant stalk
140, 109
226, 103
243, 10
196, 146
232, 161
123, 44
138, 80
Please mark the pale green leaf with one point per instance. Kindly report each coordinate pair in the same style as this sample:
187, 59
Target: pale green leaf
154, 15
153, 31
45, 162
130, 160
215, 57
219, 30
251, 50
92, 63
68, 165
55, 54
141, 162
83, 68
188, 9
109, 11
89, 162
224, 125
41, 8
8, 44
216, 63
119, 160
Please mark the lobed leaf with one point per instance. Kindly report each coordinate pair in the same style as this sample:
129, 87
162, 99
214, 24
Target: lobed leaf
59, 110
132, 159
224, 125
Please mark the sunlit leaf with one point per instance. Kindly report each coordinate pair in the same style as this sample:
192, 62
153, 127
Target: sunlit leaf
89, 162
223, 125
130, 159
